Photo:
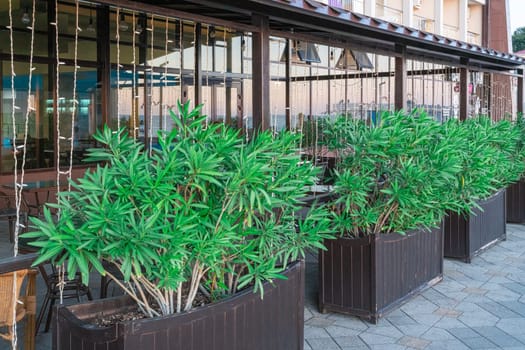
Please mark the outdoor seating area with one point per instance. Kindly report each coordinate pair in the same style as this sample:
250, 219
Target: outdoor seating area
261, 175
476, 306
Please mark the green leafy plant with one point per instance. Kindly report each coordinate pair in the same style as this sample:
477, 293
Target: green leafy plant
492, 156
393, 177
408, 171
206, 211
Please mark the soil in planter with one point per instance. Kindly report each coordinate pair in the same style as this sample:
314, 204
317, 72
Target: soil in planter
134, 313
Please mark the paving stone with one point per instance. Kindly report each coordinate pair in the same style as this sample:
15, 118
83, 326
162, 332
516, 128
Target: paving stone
497, 309
512, 326
447, 345
426, 319
478, 343
307, 346
337, 331
448, 323
319, 322
375, 339
515, 287
415, 330
419, 306
437, 334
462, 333
315, 332
307, 314
498, 337
471, 290
515, 306
322, 344
447, 312
388, 347
349, 342
478, 319
348, 322
388, 331
401, 320
416, 343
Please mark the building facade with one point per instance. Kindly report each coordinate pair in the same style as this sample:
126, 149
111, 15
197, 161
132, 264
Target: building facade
69, 67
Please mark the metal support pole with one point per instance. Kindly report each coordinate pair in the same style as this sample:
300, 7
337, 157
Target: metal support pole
400, 78
463, 89
261, 73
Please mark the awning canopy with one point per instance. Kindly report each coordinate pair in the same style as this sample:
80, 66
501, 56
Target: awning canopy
325, 23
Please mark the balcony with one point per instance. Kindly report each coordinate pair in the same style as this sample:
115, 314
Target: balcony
424, 24
450, 31
350, 5
389, 14
474, 38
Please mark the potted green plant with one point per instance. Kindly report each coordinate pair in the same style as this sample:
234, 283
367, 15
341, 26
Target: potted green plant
492, 158
392, 190
206, 219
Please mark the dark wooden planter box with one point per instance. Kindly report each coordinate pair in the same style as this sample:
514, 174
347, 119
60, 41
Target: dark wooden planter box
241, 322
369, 276
516, 202
465, 237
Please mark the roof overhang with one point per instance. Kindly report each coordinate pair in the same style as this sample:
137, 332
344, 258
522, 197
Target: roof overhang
314, 20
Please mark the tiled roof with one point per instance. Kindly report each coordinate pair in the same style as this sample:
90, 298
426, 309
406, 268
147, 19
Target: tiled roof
401, 31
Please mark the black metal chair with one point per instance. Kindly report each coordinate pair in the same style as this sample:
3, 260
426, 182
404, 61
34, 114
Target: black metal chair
73, 288
8, 212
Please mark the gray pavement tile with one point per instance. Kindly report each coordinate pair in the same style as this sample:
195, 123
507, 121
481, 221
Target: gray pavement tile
401, 320
447, 312
503, 294
472, 290
337, 331
435, 334
513, 326
376, 339
412, 342
515, 306
478, 319
388, 331
419, 306
315, 332
515, 287
462, 333
478, 343
448, 323
319, 322
498, 337
498, 309
323, 344
388, 347
349, 322
307, 346
426, 319
349, 342
415, 330
447, 345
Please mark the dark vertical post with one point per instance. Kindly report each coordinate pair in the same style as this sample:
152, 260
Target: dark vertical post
463, 89
103, 59
400, 78
261, 73
288, 86
197, 64
520, 92
228, 86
